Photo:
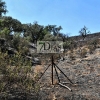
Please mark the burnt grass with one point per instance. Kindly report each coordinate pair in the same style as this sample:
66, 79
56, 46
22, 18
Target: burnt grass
83, 72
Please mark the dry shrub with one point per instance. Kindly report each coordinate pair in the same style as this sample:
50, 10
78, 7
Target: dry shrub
72, 56
91, 49
83, 53
92, 45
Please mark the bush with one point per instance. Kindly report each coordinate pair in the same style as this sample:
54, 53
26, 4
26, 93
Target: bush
91, 49
16, 81
71, 55
83, 53
92, 45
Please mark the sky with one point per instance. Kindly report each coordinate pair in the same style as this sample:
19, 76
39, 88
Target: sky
72, 15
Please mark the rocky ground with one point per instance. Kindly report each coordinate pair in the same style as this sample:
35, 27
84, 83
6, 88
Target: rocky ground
83, 72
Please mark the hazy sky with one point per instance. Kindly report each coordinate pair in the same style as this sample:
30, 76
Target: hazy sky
72, 15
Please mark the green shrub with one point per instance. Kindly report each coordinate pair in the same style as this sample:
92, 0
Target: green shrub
15, 76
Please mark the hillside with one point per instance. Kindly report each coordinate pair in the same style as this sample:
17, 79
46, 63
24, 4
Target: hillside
82, 70
81, 64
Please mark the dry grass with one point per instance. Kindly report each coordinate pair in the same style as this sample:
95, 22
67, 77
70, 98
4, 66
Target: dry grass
38, 68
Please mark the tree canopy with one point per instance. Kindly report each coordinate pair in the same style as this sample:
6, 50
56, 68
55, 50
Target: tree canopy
3, 9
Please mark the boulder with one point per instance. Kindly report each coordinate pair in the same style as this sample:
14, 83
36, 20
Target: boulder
34, 60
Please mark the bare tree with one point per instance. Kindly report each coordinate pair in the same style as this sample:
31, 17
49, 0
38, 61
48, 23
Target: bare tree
83, 32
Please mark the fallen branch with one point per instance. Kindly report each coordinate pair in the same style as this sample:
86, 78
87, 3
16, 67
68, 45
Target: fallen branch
65, 86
